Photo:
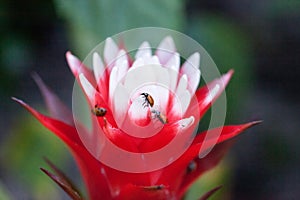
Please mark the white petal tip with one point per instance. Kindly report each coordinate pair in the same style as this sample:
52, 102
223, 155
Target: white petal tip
110, 50
96, 56
212, 94
174, 62
109, 42
191, 68
226, 77
87, 87
196, 56
143, 50
70, 56
187, 122
98, 66
73, 62
167, 43
194, 60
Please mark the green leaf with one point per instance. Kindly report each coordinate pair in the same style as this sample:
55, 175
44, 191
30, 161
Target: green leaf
231, 48
220, 175
4, 194
91, 21
26, 146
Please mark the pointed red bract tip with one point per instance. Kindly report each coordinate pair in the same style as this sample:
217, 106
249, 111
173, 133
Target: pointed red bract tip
19, 101
64, 131
74, 63
230, 72
77, 67
64, 184
55, 106
210, 193
225, 78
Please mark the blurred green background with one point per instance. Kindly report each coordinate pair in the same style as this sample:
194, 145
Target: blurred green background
259, 39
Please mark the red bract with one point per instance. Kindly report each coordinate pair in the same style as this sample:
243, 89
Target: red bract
118, 116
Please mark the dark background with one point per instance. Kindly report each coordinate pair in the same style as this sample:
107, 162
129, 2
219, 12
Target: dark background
259, 39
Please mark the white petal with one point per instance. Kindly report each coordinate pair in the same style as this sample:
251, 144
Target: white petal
122, 70
113, 82
159, 94
120, 104
138, 76
212, 94
137, 63
187, 122
146, 60
163, 97
110, 51
181, 103
121, 64
165, 49
98, 66
143, 50
151, 60
173, 65
146, 74
137, 111
74, 63
121, 57
173, 79
174, 62
191, 69
182, 85
167, 43
88, 88
150, 79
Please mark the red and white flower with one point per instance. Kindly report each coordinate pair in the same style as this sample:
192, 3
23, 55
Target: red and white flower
157, 134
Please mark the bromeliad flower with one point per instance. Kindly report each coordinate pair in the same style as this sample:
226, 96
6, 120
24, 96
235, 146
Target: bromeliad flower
144, 114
